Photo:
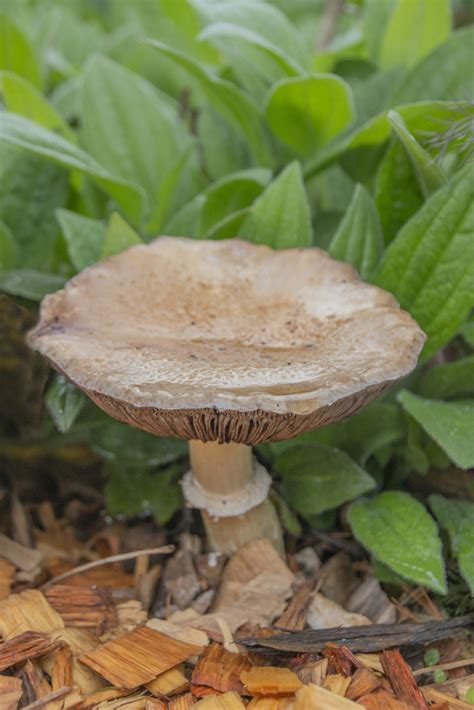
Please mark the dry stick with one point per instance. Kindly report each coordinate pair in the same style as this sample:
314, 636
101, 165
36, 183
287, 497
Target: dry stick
328, 23
445, 666
164, 550
55, 695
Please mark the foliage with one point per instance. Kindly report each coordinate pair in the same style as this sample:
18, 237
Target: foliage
217, 118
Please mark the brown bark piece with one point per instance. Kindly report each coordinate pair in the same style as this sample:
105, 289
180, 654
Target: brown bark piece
7, 574
221, 669
337, 683
11, 690
28, 611
227, 701
61, 672
383, 700
137, 657
317, 698
169, 683
202, 691
35, 684
155, 704
363, 681
29, 644
88, 607
402, 680
270, 680
184, 702
294, 616
341, 659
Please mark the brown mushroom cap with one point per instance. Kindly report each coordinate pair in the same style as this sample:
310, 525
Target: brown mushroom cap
226, 340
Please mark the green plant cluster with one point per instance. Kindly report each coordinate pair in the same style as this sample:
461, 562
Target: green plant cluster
261, 119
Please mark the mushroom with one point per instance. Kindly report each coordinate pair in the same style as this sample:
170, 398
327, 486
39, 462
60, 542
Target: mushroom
226, 344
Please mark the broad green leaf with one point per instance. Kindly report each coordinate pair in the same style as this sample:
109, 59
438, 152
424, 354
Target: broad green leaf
288, 519
415, 28
168, 189
133, 489
28, 283
226, 98
64, 403
450, 424
429, 173
443, 74
429, 266
26, 134
232, 193
127, 127
307, 112
281, 217
447, 380
466, 552
23, 98
118, 236
377, 14
228, 227
31, 188
396, 184
398, 531
187, 221
451, 514
359, 239
316, 478
414, 450
83, 236
16, 53
467, 332
224, 147
116, 441
8, 247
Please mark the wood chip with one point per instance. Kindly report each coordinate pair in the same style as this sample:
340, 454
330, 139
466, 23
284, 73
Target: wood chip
137, 657
35, 684
88, 607
95, 699
179, 632
220, 669
184, 702
323, 613
7, 574
61, 671
29, 644
155, 704
227, 701
169, 683
269, 703
270, 680
370, 600
28, 611
24, 558
362, 682
370, 660
317, 698
337, 578
294, 616
337, 683
11, 690
314, 672
437, 696
402, 680
383, 700
80, 642
67, 698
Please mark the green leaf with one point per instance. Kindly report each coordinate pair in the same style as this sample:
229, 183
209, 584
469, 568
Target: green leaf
467, 332
116, 441
429, 266
358, 239
451, 514
31, 188
83, 236
187, 221
288, 519
23, 98
16, 53
444, 73
226, 98
449, 379
281, 217
317, 478
28, 283
228, 227
450, 424
64, 403
466, 552
376, 18
127, 127
8, 248
399, 532
396, 184
429, 174
118, 236
21, 132
133, 489
415, 28
307, 112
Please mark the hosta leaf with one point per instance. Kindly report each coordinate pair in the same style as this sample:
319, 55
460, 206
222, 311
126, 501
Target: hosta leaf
415, 27
118, 236
449, 379
318, 478
399, 532
466, 552
187, 221
358, 239
8, 248
450, 424
64, 403
83, 236
21, 132
28, 283
451, 514
307, 112
280, 217
16, 53
429, 266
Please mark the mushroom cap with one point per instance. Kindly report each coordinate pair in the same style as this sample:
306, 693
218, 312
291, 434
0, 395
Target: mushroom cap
226, 340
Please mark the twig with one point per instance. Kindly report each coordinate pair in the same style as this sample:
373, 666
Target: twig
164, 550
328, 23
445, 666
46, 699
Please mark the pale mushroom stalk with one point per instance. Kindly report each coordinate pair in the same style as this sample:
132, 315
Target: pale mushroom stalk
224, 471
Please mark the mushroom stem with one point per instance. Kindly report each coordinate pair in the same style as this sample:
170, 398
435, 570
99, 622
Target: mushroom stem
225, 469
